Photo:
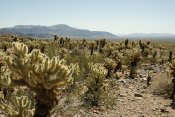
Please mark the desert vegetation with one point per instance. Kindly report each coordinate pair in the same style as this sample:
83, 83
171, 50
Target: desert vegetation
69, 77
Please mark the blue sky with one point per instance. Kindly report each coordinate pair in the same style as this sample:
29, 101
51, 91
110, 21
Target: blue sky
116, 16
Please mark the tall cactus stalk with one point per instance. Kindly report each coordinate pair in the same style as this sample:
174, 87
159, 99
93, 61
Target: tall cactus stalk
170, 56
92, 48
126, 43
172, 71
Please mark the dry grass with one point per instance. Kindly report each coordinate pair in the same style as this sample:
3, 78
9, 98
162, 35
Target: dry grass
162, 85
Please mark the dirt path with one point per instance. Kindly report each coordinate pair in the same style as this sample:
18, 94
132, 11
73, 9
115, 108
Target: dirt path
136, 102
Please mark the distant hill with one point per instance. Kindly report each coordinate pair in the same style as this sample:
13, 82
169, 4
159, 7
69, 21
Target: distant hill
160, 36
38, 31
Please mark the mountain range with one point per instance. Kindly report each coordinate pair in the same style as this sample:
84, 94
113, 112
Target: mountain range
148, 36
38, 31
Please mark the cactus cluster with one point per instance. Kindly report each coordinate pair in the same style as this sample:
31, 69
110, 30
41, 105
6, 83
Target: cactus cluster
95, 84
4, 72
41, 74
17, 107
109, 64
48, 67
133, 56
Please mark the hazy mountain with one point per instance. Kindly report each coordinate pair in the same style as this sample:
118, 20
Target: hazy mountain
48, 31
149, 36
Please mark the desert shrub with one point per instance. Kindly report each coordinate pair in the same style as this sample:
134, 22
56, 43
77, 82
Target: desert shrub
162, 85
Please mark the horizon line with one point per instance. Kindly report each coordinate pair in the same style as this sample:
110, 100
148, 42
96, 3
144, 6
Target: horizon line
137, 32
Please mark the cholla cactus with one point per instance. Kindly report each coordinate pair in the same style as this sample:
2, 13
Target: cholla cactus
97, 44
61, 41
17, 107
134, 57
5, 48
149, 78
142, 46
118, 66
172, 72
63, 52
117, 56
109, 65
126, 43
170, 56
1, 59
102, 42
92, 47
108, 50
46, 77
4, 77
154, 57
172, 68
95, 84
56, 37
4, 73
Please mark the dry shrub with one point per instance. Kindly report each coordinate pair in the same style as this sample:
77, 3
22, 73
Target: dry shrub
162, 85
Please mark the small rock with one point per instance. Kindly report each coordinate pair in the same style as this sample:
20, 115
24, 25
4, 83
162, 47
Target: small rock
143, 91
122, 94
77, 115
138, 98
144, 87
138, 95
144, 79
96, 112
130, 87
120, 100
164, 110
155, 109
122, 81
